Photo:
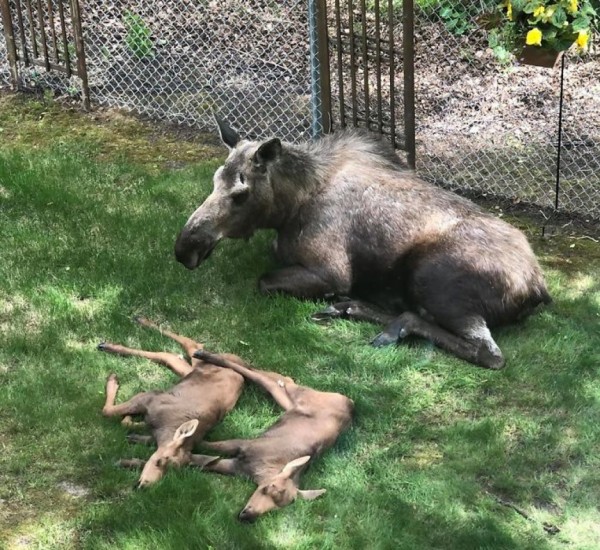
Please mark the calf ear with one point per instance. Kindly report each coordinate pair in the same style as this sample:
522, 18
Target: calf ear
311, 494
268, 152
228, 135
186, 430
292, 467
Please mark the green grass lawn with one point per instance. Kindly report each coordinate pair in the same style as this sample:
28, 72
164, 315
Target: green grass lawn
441, 454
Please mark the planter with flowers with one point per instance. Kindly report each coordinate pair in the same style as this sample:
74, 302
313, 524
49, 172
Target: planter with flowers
537, 31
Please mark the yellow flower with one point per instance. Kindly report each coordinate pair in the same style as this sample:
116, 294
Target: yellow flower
582, 39
548, 13
534, 37
540, 10
509, 13
573, 6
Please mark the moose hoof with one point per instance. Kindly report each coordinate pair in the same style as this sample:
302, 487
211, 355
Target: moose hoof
490, 360
101, 346
340, 310
333, 311
384, 339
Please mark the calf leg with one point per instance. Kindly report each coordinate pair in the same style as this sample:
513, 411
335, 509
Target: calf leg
188, 345
230, 447
272, 382
474, 345
226, 466
178, 365
136, 405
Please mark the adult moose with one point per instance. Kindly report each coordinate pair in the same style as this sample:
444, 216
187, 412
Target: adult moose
352, 221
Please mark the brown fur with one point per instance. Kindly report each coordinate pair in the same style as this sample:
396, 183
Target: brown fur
179, 417
311, 423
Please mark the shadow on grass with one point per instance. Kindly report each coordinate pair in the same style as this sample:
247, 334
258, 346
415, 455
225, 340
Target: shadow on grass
434, 439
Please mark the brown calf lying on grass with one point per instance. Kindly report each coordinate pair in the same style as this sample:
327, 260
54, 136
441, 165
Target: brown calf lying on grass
312, 422
178, 418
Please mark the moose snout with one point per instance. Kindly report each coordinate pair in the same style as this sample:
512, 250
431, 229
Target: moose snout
191, 249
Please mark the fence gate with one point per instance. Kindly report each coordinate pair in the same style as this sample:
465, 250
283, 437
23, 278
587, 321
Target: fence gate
46, 34
368, 69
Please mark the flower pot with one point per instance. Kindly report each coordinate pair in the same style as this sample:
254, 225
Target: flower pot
540, 57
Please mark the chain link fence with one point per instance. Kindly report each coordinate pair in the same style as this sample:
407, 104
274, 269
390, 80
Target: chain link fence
181, 61
488, 128
4, 68
184, 60
482, 128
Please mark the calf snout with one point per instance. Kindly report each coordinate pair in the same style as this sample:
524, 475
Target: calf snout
247, 515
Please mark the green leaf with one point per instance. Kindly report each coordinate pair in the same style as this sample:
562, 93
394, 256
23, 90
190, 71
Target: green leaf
446, 12
559, 18
581, 23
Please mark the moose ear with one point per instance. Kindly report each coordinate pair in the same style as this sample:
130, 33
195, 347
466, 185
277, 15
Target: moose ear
228, 135
311, 494
268, 152
186, 430
292, 467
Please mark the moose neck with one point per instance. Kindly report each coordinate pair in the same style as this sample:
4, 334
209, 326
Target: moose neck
294, 179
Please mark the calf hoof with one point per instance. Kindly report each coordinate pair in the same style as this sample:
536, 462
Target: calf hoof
101, 346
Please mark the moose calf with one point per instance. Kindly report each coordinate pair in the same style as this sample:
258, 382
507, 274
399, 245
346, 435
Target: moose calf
180, 417
311, 423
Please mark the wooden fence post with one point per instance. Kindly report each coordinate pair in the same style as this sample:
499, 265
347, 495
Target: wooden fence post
81, 66
10, 44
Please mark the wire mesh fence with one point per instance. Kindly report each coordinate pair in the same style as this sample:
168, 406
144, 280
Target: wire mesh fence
483, 127
4, 69
490, 128
184, 60
365, 52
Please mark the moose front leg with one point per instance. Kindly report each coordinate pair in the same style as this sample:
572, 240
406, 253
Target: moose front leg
300, 282
353, 309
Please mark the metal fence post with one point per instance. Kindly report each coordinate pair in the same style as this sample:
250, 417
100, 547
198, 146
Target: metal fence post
320, 101
10, 44
408, 46
323, 47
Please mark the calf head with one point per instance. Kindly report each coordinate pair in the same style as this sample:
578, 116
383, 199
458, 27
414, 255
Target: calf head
242, 200
174, 453
279, 491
